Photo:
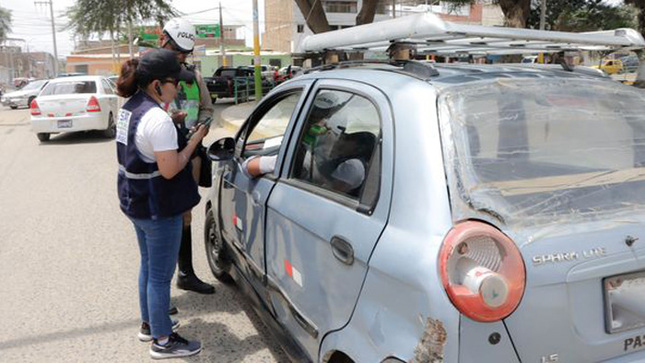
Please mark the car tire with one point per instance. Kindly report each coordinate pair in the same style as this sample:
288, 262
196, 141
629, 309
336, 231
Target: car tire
29, 101
13, 107
216, 254
110, 132
43, 136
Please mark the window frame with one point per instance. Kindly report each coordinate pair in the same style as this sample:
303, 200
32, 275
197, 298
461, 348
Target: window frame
359, 204
257, 115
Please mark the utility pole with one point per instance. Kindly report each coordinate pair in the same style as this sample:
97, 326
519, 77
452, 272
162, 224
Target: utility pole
393, 8
542, 26
222, 48
51, 13
256, 53
130, 47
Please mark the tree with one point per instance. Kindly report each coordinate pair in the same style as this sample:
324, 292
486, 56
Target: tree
582, 15
88, 17
314, 14
516, 12
5, 23
316, 19
640, 7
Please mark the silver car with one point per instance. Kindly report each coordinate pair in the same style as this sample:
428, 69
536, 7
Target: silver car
24, 96
465, 213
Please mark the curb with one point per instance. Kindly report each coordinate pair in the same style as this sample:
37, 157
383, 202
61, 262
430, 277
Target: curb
234, 116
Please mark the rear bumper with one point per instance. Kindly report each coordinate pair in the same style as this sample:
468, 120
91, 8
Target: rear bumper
79, 123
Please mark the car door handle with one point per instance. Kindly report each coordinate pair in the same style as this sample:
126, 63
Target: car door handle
342, 250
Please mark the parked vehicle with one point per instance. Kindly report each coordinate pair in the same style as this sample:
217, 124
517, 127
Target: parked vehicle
24, 96
479, 231
75, 103
610, 66
268, 72
222, 83
286, 73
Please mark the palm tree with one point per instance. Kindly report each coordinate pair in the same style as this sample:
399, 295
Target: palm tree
89, 17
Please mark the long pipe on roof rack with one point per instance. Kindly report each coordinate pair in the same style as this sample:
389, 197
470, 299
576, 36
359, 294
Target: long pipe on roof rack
427, 26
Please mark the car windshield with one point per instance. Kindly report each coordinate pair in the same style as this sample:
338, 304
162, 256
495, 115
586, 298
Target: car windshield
69, 88
533, 151
33, 85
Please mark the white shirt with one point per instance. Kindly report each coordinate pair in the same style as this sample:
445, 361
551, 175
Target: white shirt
155, 132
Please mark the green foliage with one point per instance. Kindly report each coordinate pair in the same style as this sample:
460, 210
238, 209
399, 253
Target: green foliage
5, 23
582, 15
88, 17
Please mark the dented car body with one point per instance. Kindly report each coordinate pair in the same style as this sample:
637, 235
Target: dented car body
481, 214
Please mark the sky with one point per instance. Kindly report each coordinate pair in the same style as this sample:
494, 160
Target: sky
32, 23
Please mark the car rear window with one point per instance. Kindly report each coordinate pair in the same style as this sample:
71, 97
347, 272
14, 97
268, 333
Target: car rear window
69, 88
545, 150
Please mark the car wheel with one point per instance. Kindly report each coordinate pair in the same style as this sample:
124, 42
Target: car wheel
110, 132
29, 101
216, 250
42, 136
13, 107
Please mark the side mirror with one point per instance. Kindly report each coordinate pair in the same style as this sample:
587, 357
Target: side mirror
222, 149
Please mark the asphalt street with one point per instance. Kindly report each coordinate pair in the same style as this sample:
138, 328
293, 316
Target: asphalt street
69, 261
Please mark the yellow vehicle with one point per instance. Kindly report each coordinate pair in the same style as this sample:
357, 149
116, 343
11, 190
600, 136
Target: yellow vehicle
611, 66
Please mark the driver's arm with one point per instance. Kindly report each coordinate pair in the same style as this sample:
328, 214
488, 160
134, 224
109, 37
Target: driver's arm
259, 165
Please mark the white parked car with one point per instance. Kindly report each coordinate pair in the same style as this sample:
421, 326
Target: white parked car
24, 96
75, 104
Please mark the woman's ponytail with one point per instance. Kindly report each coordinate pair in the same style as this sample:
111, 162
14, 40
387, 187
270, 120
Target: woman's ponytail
127, 84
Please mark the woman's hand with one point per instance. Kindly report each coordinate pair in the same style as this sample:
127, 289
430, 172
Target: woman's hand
200, 132
178, 116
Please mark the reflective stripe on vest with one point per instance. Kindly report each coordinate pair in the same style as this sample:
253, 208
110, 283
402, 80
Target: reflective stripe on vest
140, 176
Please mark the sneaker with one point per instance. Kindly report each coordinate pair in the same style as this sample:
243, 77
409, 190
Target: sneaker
145, 335
176, 347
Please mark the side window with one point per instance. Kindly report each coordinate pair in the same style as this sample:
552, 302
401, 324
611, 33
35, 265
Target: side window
106, 87
338, 144
265, 137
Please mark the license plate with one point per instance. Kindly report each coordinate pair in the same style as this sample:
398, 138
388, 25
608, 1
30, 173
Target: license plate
64, 124
624, 297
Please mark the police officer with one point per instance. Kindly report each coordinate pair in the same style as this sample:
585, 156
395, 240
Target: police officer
156, 188
192, 105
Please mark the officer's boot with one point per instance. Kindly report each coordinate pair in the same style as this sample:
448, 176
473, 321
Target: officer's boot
186, 279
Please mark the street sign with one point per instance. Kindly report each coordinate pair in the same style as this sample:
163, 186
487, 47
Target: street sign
208, 31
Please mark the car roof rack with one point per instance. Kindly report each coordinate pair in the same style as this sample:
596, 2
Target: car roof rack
431, 35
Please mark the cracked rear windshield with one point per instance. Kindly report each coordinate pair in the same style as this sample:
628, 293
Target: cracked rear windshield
539, 150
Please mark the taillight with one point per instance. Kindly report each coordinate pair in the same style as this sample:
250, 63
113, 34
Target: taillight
482, 271
35, 110
93, 105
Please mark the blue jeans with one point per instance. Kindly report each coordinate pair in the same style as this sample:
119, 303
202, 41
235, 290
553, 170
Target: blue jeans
159, 242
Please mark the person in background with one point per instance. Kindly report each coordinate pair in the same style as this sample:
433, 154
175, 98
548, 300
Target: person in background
155, 188
192, 105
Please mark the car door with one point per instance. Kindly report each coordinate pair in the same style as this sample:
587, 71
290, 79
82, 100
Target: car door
328, 209
109, 97
243, 198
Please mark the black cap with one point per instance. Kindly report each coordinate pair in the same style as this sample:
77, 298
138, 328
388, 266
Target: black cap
163, 63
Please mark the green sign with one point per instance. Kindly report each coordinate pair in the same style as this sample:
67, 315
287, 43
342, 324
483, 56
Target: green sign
208, 31
149, 33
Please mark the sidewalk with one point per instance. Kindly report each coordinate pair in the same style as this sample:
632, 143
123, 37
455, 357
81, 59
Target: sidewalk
234, 116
